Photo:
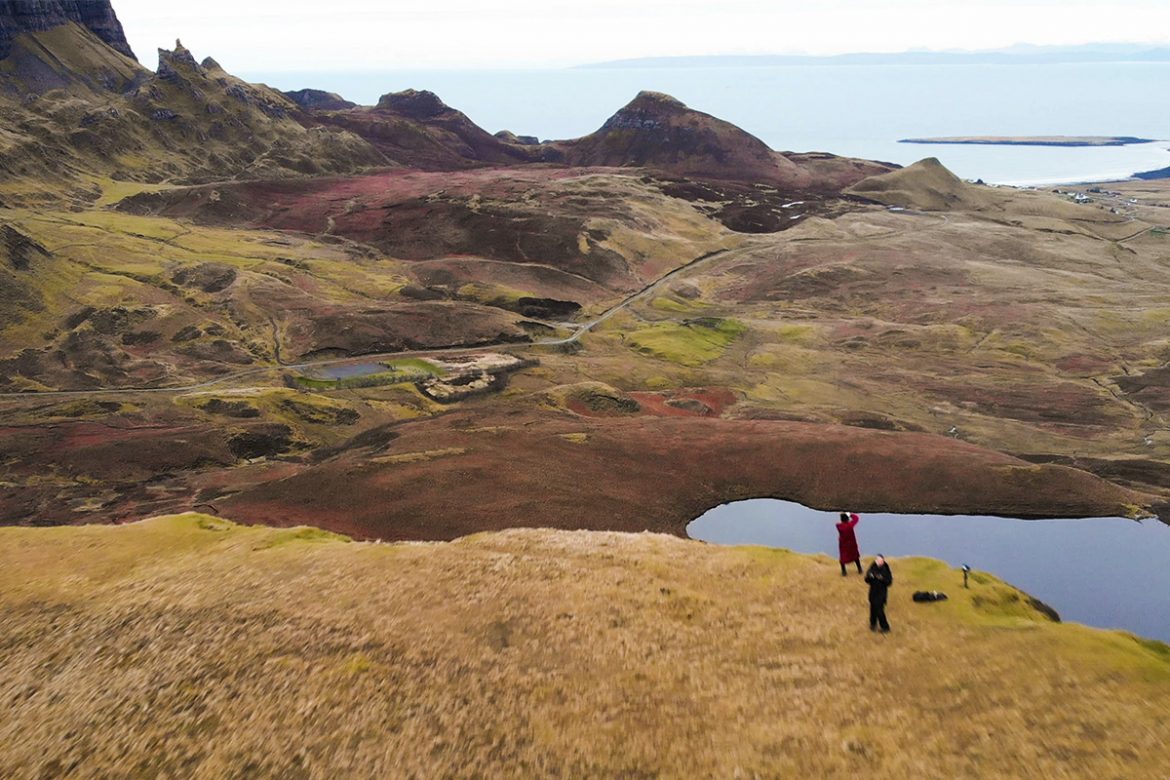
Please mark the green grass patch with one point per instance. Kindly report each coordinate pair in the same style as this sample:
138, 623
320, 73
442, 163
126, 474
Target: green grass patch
414, 364
491, 294
397, 371
1160, 649
305, 534
354, 382
315, 383
794, 333
689, 343
674, 305
118, 222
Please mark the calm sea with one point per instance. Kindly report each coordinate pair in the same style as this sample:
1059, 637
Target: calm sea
853, 110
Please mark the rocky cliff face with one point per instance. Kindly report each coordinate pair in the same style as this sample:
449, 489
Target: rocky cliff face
70, 104
319, 100
21, 16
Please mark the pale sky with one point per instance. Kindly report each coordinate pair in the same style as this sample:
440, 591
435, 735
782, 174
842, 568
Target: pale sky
315, 35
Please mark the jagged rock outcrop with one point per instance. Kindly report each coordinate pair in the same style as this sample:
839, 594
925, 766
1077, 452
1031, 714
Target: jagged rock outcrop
74, 105
414, 103
74, 108
172, 64
319, 100
232, 127
21, 16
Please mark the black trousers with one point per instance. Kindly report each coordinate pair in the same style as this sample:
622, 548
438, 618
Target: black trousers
856, 562
877, 615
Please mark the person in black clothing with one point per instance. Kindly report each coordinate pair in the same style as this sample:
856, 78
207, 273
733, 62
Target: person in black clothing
879, 578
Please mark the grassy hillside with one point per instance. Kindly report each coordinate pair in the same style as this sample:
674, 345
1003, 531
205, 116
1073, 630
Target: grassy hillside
188, 646
1019, 351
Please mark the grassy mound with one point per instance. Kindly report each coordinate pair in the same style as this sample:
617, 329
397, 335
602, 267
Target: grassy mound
926, 185
189, 646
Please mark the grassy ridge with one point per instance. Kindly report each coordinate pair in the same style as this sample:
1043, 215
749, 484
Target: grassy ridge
192, 646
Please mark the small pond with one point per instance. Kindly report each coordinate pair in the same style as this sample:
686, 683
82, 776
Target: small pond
1108, 572
349, 370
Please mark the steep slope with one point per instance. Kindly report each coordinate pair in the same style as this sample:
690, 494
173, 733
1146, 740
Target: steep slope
656, 131
226, 127
68, 57
76, 112
26, 16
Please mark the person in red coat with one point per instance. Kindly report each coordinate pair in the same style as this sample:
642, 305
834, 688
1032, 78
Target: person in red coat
847, 542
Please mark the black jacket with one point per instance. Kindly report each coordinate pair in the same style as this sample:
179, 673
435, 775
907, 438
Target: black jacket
879, 578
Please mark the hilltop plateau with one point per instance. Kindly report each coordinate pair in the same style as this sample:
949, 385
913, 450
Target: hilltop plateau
191, 646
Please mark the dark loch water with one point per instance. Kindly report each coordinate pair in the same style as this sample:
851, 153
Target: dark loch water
1108, 572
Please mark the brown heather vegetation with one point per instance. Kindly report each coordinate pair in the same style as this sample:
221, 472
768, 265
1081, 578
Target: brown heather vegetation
189, 647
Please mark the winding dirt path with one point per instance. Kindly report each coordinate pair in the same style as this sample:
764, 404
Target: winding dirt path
581, 330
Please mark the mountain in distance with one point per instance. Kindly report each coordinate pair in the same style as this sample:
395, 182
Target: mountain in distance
416, 128
74, 107
1020, 54
657, 131
77, 110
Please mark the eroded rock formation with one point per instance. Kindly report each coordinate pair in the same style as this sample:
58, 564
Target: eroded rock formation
21, 16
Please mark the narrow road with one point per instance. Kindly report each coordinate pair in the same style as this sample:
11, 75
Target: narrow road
582, 329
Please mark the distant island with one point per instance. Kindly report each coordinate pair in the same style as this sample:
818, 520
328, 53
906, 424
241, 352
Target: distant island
1037, 140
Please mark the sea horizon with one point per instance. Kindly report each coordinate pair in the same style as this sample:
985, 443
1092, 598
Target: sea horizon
846, 109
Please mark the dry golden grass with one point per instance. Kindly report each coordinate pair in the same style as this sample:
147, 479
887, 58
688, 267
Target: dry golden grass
189, 647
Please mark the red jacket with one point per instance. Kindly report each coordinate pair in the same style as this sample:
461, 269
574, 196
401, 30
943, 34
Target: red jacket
847, 540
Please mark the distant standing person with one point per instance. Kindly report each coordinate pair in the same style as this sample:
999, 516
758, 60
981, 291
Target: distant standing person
847, 542
880, 578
